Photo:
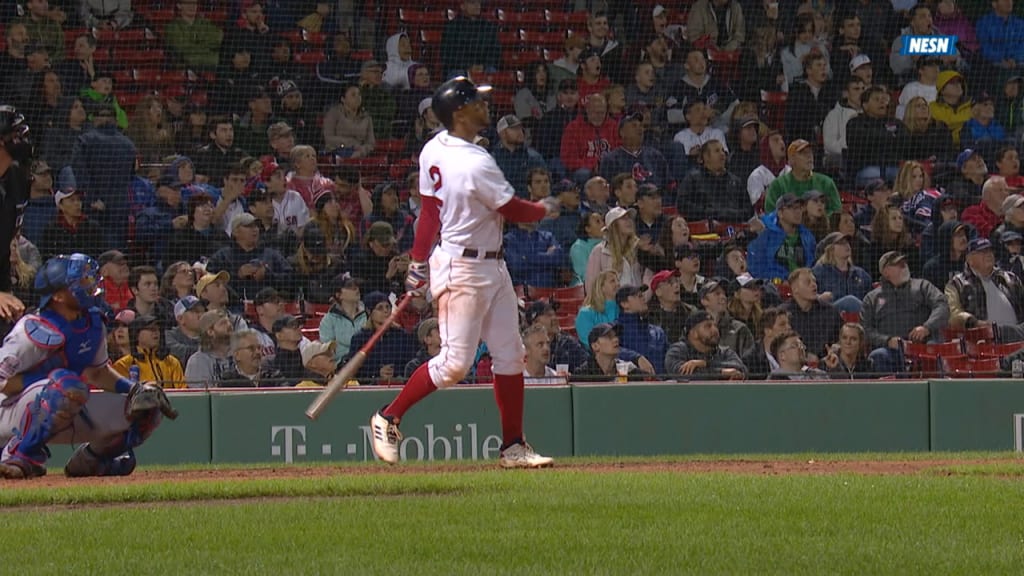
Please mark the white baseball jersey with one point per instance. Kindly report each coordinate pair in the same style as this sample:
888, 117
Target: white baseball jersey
291, 212
471, 188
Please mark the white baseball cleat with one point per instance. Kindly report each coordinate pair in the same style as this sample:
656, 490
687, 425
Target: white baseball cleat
386, 438
521, 455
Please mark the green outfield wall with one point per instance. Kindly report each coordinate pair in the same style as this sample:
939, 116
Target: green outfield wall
601, 419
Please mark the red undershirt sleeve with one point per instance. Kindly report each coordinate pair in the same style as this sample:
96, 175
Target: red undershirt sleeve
519, 210
427, 228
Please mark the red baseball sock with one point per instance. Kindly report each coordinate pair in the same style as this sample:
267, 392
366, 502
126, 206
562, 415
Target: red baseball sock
509, 390
418, 387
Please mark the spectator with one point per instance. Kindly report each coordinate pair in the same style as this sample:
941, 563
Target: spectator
115, 273
923, 139
178, 281
804, 44
192, 40
206, 367
425, 127
534, 257
104, 161
999, 34
378, 265
338, 232
145, 286
469, 39
618, 251
732, 262
985, 215
97, 14
608, 358
901, 308
901, 64
239, 75
251, 132
534, 99
149, 130
720, 22
842, 283
199, 238
601, 42
12, 61
849, 360
925, 85
833, 127
871, 151
408, 101
269, 307
587, 138
590, 233
117, 338
1008, 166
41, 209
983, 292
565, 349
772, 151
512, 154
697, 132
248, 369
212, 289
759, 359
802, 179
889, 232
624, 189
701, 355
28, 85
649, 219
712, 192
950, 21
538, 355
952, 107
815, 219
232, 202
983, 131
917, 195
428, 336
644, 163
291, 112
761, 65
687, 262
635, 332
1010, 105
667, 309
847, 43
252, 266
785, 245
972, 172
659, 56
348, 128
287, 357
697, 84
249, 34
567, 67
789, 350
155, 225
399, 52
1013, 219
340, 67
183, 340
305, 179
345, 317
71, 231
149, 354
733, 334
214, 160
566, 226
600, 304
388, 208
318, 359
393, 349
58, 142
290, 211
1013, 253
745, 155
814, 318
548, 137
78, 74
946, 211
315, 268
878, 194
598, 193
42, 29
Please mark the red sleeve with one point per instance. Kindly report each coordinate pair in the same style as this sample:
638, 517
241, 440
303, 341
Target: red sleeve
519, 210
427, 228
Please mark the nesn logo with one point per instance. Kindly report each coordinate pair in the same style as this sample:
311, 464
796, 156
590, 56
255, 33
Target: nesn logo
928, 45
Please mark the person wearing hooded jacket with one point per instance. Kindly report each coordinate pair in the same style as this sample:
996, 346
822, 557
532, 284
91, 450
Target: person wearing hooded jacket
950, 252
773, 164
150, 354
399, 51
782, 227
952, 107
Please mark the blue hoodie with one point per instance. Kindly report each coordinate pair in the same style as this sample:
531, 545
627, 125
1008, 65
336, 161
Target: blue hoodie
761, 253
647, 339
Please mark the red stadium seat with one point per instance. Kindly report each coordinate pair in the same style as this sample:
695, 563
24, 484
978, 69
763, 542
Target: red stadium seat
435, 19
933, 350
535, 20
993, 350
310, 58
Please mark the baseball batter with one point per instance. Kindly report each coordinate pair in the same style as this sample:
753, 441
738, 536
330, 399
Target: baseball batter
466, 198
46, 365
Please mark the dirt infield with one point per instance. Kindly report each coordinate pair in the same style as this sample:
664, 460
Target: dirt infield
749, 467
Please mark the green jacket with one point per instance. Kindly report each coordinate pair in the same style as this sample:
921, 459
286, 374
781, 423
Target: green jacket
49, 34
93, 96
380, 105
787, 183
197, 45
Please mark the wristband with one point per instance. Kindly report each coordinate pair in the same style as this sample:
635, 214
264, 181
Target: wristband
123, 385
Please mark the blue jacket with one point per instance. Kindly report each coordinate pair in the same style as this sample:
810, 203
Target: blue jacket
395, 348
647, 339
1001, 39
587, 318
40, 213
761, 253
973, 133
154, 227
530, 258
563, 227
855, 282
648, 166
516, 164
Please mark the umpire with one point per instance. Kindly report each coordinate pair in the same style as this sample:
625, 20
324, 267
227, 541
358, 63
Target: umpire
15, 157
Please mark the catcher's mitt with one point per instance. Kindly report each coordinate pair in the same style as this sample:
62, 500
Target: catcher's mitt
145, 397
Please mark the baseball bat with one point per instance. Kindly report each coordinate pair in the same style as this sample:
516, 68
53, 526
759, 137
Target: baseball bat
350, 368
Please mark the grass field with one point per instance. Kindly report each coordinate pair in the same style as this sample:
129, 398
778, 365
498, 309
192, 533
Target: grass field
591, 517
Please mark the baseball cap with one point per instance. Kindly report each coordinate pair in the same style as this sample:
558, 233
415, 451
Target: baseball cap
65, 193
963, 157
748, 121
1012, 201
284, 322
372, 299
208, 279
828, 240
424, 105
258, 194
796, 146
745, 280
686, 250
813, 195
978, 245
345, 281
41, 167
877, 185
787, 200
711, 286
568, 84
143, 321
658, 11
125, 317
316, 348
858, 61
185, 304
265, 296
631, 117
616, 213
508, 121
209, 318
424, 327
370, 64
279, 129
565, 185
890, 258
243, 219
589, 52
648, 191
695, 319
601, 330
661, 277
625, 292
983, 98
381, 232
287, 87
270, 166
539, 308
1011, 236
314, 240
111, 257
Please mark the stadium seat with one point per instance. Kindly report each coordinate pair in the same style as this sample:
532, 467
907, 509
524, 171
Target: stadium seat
310, 58
966, 367
559, 294
311, 333
933, 350
510, 20
983, 333
421, 19
993, 350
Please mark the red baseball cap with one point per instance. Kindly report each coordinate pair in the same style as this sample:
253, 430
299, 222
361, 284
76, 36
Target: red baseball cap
269, 167
662, 277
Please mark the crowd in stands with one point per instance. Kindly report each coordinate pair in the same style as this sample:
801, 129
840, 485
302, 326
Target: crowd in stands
749, 189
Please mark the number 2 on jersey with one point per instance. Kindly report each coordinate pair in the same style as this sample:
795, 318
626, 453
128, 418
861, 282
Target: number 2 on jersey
435, 176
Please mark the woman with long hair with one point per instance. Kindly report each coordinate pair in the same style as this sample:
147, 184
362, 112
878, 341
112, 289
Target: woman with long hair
746, 304
615, 96
316, 269
674, 231
804, 41
889, 232
58, 142
815, 215
200, 238
149, 129
536, 97
924, 139
761, 66
408, 101
840, 281
618, 251
913, 186
599, 305
338, 231
849, 360
589, 234
23, 275
46, 96
178, 281
348, 129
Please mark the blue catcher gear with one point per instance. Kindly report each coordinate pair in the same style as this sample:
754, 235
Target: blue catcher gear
78, 273
53, 410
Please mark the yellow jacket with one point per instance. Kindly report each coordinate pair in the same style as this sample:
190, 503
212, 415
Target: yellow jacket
952, 116
164, 371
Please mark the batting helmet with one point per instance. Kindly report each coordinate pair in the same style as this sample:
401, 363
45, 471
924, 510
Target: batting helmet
14, 134
453, 95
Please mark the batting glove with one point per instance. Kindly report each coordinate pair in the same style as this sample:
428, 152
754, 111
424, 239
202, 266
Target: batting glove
417, 278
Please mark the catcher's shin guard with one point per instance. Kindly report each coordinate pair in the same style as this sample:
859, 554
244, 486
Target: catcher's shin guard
52, 410
116, 456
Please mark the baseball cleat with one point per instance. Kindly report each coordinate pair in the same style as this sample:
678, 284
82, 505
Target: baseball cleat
84, 462
521, 455
18, 469
386, 438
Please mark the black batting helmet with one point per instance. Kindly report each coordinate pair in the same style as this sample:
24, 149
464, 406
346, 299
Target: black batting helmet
453, 95
14, 134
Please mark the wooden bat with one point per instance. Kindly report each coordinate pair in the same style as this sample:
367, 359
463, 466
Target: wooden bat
350, 368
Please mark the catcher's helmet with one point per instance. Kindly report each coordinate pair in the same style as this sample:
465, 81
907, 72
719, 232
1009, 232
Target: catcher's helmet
453, 95
77, 272
14, 134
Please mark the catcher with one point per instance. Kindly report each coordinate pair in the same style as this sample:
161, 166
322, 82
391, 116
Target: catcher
47, 362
